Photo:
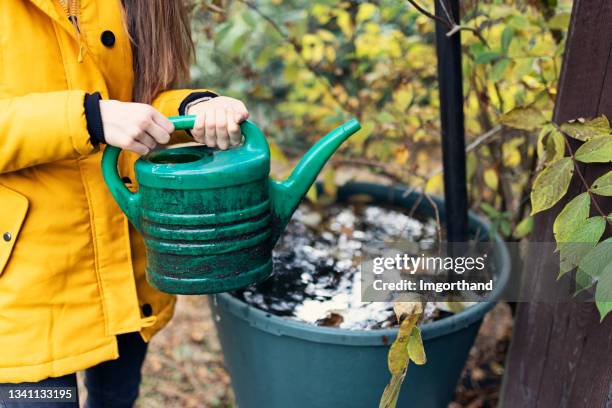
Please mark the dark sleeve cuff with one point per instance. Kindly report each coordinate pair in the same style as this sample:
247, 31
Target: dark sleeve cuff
94, 118
194, 96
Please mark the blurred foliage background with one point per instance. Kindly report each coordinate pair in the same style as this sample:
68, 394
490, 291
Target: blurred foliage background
303, 67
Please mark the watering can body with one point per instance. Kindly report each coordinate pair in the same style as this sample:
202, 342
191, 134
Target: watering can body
210, 218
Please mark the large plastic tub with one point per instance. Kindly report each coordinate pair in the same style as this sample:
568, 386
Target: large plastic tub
275, 362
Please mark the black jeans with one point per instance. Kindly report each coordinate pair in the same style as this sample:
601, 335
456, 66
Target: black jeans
111, 384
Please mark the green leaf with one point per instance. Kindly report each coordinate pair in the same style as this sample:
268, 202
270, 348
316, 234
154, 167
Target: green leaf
385, 116
579, 242
415, 348
522, 67
597, 150
573, 214
519, 22
523, 228
249, 19
581, 130
489, 210
583, 281
603, 185
504, 227
551, 184
486, 57
499, 69
527, 118
506, 39
603, 292
597, 259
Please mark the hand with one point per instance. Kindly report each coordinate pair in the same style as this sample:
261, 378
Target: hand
134, 126
217, 121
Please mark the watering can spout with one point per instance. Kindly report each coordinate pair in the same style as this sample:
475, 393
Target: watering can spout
286, 195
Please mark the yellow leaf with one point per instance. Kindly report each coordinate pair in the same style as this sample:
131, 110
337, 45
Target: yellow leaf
550, 145
329, 182
510, 152
276, 153
408, 313
403, 97
526, 118
322, 13
326, 35
471, 165
401, 156
330, 53
366, 11
559, 21
343, 19
586, 130
312, 48
312, 194
491, 179
360, 137
435, 184
404, 310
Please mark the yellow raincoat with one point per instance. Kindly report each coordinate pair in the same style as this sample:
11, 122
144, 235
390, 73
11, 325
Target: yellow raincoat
71, 268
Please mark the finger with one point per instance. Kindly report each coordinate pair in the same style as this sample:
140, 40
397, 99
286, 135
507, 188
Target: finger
198, 129
221, 128
233, 129
138, 147
210, 129
147, 140
241, 111
158, 133
162, 121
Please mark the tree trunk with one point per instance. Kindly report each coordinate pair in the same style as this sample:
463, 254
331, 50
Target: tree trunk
561, 355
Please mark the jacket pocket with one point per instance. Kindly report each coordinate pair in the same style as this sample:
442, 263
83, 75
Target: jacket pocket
14, 208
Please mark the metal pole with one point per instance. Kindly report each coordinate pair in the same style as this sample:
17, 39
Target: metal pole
451, 117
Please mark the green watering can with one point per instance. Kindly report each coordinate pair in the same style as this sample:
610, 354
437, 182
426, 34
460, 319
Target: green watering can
209, 217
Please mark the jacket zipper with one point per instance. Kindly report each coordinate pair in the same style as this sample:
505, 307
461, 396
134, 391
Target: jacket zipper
72, 8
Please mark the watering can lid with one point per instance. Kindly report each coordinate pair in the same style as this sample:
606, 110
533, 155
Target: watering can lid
200, 167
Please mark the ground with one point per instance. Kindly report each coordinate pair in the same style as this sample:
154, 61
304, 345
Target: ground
184, 367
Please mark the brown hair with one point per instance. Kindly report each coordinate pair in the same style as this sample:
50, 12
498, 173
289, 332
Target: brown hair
162, 47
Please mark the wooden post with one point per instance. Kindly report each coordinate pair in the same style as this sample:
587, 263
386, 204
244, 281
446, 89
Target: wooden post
561, 355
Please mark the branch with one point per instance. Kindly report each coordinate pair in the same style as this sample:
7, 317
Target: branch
476, 32
296, 49
386, 169
449, 24
472, 146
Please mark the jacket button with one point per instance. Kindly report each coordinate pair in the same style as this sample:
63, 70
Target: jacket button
108, 38
147, 310
7, 236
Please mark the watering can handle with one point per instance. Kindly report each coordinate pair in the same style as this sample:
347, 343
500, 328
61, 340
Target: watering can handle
253, 138
128, 201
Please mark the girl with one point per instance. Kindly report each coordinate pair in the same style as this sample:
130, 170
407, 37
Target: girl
76, 75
